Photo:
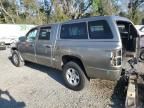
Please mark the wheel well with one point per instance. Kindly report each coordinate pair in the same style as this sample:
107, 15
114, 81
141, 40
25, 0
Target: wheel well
14, 48
142, 48
67, 58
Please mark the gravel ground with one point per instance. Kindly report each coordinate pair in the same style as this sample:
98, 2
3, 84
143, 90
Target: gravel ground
35, 86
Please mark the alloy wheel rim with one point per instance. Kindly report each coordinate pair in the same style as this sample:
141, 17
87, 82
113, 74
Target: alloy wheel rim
15, 59
142, 56
72, 76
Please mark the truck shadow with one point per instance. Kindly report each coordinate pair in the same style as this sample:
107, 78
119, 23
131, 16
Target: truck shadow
53, 73
119, 94
9, 102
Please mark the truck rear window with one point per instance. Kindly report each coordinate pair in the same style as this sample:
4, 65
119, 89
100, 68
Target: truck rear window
99, 30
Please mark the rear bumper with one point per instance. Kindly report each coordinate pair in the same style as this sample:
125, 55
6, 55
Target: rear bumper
105, 74
113, 74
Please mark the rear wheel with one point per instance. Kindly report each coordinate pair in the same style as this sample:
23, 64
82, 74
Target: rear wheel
142, 55
16, 59
74, 76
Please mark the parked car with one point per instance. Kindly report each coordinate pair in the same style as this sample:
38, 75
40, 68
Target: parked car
140, 29
86, 48
2, 45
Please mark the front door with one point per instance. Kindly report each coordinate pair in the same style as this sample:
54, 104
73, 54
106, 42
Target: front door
27, 47
44, 47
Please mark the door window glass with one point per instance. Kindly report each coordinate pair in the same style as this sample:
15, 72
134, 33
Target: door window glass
44, 33
31, 36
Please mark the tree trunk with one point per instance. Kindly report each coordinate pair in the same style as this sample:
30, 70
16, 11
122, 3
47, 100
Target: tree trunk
3, 9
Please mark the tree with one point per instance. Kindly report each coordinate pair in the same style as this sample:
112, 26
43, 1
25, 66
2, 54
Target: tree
104, 7
75, 9
34, 12
49, 11
134, 6
7, 11
143, 21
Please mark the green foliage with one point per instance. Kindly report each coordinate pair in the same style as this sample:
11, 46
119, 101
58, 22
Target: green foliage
104, 7
51, 11
134, 11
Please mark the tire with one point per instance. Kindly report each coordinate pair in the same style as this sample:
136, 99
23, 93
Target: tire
142, 55
17, 59
74, 76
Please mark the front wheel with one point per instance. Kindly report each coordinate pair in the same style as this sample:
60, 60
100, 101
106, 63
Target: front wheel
74, 76
142, 55
16, 59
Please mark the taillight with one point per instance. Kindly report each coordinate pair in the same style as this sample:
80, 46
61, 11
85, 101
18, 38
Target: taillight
116, 58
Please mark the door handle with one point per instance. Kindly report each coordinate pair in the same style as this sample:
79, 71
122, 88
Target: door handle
28, 45
31, 45
47, 46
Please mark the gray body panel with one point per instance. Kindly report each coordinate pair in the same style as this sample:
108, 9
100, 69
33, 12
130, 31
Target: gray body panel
27, 49
95, 54
43, 52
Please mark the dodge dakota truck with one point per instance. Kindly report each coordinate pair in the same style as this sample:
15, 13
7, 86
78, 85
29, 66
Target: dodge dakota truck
94, 47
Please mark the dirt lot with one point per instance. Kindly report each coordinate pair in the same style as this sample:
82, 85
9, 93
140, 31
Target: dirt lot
35, 86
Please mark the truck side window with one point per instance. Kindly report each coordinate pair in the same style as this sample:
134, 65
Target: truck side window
32, 35
99, 30
74, 31
44, 33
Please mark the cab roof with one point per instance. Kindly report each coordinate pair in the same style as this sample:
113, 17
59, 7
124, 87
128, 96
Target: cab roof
99, 18
115, 18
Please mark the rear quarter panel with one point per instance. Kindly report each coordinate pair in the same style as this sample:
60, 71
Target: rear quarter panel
95, 55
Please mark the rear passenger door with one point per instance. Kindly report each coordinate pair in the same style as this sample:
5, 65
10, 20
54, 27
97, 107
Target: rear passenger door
44, 46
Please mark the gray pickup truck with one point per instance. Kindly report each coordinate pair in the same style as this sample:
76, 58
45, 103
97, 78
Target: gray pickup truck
94, 47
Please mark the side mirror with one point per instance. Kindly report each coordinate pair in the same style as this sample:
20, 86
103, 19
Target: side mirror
22, 38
